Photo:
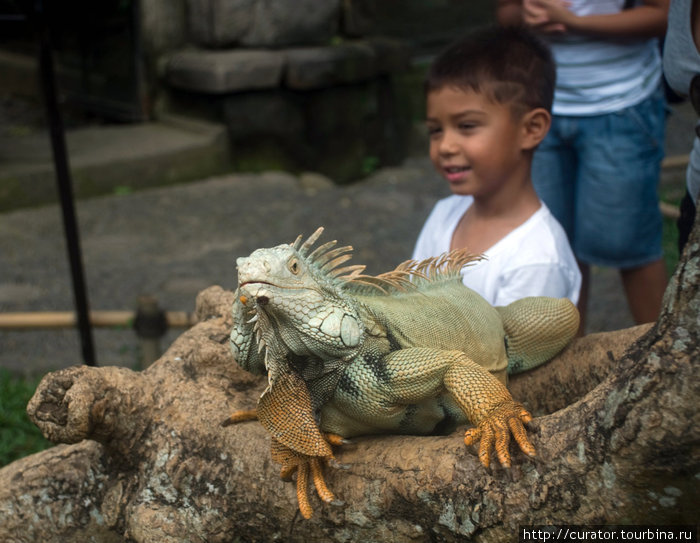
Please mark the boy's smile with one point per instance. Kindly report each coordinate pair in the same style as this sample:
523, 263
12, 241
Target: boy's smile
475, 143
455, 174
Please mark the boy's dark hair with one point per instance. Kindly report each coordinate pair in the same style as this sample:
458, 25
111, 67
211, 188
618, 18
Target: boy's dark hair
510, 64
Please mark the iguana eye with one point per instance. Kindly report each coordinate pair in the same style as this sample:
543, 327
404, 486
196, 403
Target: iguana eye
293, 266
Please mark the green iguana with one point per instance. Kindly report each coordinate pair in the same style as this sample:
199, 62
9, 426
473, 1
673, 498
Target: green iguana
411, 351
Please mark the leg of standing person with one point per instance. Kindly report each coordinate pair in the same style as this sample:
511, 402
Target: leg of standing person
618, 222
645, 287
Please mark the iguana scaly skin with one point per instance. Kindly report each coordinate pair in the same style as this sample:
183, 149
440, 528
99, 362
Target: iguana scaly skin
412, 351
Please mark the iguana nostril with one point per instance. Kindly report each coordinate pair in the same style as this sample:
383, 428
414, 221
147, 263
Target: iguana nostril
262, 300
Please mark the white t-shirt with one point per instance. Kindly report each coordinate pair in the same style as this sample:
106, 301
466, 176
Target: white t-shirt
535, 259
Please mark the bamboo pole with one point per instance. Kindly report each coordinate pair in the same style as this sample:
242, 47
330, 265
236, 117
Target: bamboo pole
669, 210
676, 161
102, 319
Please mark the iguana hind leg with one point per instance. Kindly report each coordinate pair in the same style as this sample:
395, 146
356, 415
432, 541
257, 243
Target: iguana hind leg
537, 328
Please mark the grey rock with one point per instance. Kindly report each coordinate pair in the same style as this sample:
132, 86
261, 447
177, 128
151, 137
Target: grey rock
217, 23
105, 158
218, 72
293, 23
263, 113
263, 23
391, 55
314, 67
164, 25
358, 17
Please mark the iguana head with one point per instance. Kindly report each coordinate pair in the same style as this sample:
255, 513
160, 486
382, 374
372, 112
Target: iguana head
298, 303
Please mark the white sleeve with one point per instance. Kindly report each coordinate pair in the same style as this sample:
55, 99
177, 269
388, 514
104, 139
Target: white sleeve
551, 280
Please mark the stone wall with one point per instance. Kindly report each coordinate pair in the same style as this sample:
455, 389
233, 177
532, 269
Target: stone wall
301, 85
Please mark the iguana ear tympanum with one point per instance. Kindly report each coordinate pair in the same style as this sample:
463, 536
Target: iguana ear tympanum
408, 351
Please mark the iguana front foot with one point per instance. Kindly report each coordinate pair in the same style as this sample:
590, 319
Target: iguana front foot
492, 430
304, 466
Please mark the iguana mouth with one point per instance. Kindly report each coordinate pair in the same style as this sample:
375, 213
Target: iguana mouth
281, 287
267, 284
245, 283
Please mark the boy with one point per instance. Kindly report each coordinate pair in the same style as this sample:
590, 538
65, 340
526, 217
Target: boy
489, 98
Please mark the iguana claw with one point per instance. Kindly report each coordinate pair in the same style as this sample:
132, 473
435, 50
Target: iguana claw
241, 415
335, 439
493, 432
304, 466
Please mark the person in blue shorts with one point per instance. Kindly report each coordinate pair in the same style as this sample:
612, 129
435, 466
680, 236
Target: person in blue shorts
598, 168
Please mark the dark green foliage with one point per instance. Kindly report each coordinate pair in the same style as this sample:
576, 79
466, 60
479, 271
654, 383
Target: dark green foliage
671, 192
670, 245
18, 435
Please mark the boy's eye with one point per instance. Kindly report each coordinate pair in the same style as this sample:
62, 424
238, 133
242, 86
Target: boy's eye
434, 130
467, 126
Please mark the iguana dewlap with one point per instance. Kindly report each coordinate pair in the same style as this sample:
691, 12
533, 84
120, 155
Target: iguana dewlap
410, 351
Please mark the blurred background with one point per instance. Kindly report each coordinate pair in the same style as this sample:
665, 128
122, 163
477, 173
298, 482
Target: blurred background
199, 130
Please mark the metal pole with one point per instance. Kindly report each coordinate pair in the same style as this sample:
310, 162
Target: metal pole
65, 190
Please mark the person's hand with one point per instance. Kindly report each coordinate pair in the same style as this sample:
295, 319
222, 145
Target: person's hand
547, 16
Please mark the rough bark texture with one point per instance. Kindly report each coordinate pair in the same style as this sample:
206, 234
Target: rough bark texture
618, 442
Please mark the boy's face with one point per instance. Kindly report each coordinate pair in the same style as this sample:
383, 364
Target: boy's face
475, 143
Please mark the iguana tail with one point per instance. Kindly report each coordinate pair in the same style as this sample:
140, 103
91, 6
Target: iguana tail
537, 328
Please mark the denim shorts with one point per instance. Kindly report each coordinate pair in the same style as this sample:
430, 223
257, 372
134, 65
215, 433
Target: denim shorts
599, 176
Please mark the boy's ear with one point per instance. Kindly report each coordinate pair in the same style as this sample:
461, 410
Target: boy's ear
535, 125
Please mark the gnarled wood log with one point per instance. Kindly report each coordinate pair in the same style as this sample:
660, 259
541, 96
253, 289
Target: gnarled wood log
617, 442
